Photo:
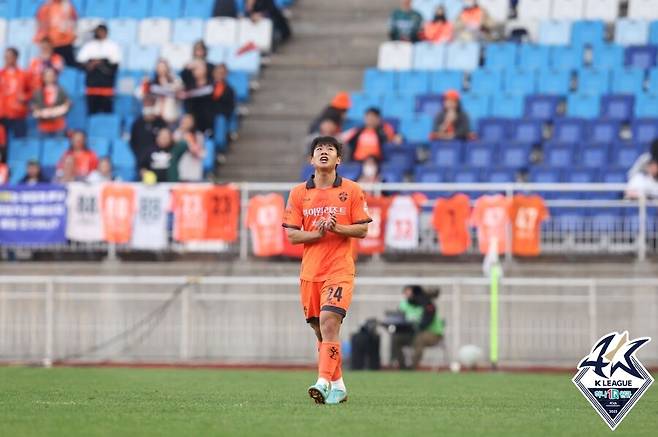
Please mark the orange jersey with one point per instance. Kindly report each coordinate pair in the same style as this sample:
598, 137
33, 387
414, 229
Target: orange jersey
331, 257
188, 204
118, 210
527, 213
264, 220
222, 204
491, 216
38, 64
56, 21
375, 239
450, 219
14, 93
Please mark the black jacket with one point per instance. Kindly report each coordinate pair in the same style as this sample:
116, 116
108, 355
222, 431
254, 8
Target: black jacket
142, 136
462, 124
421, 299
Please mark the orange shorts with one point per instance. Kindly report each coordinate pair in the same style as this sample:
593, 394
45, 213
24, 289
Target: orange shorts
330, 295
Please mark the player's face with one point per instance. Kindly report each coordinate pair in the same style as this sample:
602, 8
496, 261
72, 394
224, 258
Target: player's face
325, 157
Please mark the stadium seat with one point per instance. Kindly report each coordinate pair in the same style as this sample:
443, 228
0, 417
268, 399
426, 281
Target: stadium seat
28, 8
646, 106
104, 125
583, 105
416, 129
123, 30
220, 132
480, 156
541, 107
643, 57
259, 33
307, 171
221, 31
218, 54
77, 115
248, 62
559, 157
499, 56
515, 156
395, 55
441, 81
426, 8
614, 177
187, 31
378, 81
20, 32
154, 31
526, 132
476, 106
494, 130
398, 106
453, 8
630, 32
542, 175
100, 146
533, 57
645, 130
52, 150
85, 29
351, 170
429, 104
653, 33
507, 105
197, 8
361, 101
587, 33
520, 82
463, 56
9, 9
607, 10
569, 131
586, 176
534, 9
71, 80
551, 82
391, 173
594, 157
446, 154
166, 8
3, 32
105, 9
625, 156
607, 56
500, 176
486, 81
593, 82
466, 176
413, 82
643, 9
142, 58
603, 132
24, 149
240, 82
132, 8
617, 107
177, 54
403, 158
568, 9
428, 56
79, 5
428, 174
627, 81
554, 32
566, 58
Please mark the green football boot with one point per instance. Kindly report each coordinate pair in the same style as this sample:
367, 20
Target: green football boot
319, 392
336, 396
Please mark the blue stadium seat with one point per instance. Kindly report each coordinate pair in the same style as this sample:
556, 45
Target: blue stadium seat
142, 58
24, 149
555, 32
476, 106
542, 175
653, 32
645, 130
500, 176
416, 129
104, 125
493, 130
123, 31
608, 56
627, 81
507, 105
441, 81
533, 57
594, 82
398, 106
559, 157
391, 173
122, 155
630, 32
100, 145
480, 156
587, 33
429, 104
413, 82
125, 104
166, 8
566, 58
642, 57
515, 156
486, 81
220, 132
446, 154
28, 8
428, 174
583, 105
71, 79
187, 30
77, 116
541, 107
594, 157
520, 82
603, 131
653, 82
404, 158
527, 132
429, 56
579, 177
350, 170
306, 172
361, 102
569, 131
378, 81
617, 107
625, 155
52, 150
499, 56
646, 106
197, 8
239, 80
466, 176
211, 153
9, 9
132, 9
101, 9
554, 82
249, 62
79, 6
614, 177
463, 56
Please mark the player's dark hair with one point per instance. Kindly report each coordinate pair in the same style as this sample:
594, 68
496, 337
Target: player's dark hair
374, 110
327, 141
13, 50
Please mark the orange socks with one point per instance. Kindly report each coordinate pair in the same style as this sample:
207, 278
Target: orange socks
329, 360
338, 373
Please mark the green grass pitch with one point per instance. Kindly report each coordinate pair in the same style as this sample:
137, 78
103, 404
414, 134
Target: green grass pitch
139, 402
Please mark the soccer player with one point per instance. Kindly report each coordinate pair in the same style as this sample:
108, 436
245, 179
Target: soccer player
324, 214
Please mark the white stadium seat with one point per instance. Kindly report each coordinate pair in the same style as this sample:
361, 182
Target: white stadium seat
221, 31
177, 54
497, 9
187, 30
426, 8
429, 56
534, 10
463, 56
259, 33
643, 9
85, 28
217, 54
607, 10
20, 32
155, 31
555, 32
568, 9
3, 32
395, 55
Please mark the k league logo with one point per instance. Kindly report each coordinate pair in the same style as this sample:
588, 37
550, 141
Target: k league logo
612, 378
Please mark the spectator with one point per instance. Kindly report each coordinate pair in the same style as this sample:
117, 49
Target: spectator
14, 95
190, 166
84, 160
367, 140
335, 111
103, 173
474, 23
100, 58
225, 8
405, 23
452, 122
56, 21
439, 30
164, 87
370, 171
50, 104
66, 173
145, 129
223, 95
643, 175
198, 96
47, 59
164, 158
259, 9
199, 56
33, 174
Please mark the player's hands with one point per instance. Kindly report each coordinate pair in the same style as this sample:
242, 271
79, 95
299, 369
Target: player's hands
330, 223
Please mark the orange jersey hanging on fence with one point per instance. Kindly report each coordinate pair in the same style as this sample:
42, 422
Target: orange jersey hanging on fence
118, 210
222, 205
264, 221
491, 217
190, 215
450, 219
375, 241
527, 213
